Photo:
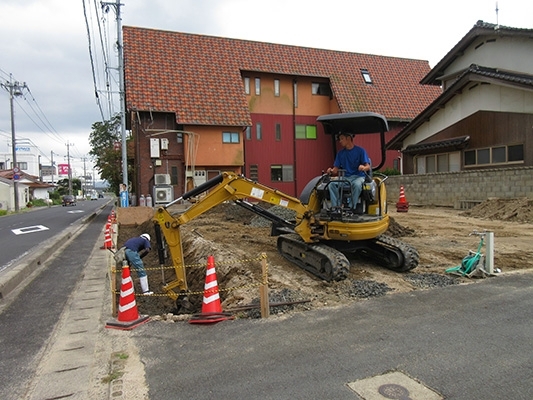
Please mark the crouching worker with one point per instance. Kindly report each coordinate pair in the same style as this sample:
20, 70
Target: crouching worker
136, 248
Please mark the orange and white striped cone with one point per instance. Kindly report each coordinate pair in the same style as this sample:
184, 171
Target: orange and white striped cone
110, 223
128, 314
402, 205
113, 217
108, 242
211, 308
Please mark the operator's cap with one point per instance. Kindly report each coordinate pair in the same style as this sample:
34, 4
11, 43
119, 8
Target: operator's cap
146, 236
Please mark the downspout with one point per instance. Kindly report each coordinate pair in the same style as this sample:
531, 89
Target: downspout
137, 163
294, 96
244, 167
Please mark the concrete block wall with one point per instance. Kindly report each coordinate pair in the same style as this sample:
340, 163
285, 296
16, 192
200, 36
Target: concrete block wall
461, 189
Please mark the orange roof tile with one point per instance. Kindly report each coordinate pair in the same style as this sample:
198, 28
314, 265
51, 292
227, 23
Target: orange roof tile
199, 77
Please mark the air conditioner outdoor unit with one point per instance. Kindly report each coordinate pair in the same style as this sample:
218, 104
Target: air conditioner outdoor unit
163, 194
162, 179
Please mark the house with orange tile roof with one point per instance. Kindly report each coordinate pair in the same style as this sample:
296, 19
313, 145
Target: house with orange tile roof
198, 105
483, 118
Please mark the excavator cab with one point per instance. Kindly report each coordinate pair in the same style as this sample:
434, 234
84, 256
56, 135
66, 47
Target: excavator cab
371, 203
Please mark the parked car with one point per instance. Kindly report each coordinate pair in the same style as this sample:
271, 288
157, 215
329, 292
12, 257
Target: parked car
69, 200
94, 196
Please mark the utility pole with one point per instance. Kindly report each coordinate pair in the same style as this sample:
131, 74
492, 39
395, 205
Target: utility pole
116, 5
84, 187
52, 161
14, 89
69, 169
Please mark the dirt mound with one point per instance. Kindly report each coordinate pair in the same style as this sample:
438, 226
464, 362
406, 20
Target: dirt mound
237, 237
516, 210
132, 216
396, 230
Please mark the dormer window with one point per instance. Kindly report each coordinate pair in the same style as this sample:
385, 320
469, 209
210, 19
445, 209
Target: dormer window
321, 89
366, 76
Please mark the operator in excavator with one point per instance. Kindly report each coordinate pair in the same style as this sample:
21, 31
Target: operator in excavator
354, 161
136, 248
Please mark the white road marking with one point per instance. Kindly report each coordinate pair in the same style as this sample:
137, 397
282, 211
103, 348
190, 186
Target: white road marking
29, 229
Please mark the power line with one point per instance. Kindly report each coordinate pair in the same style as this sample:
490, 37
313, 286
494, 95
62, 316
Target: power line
52, 129
35, 123
92, 62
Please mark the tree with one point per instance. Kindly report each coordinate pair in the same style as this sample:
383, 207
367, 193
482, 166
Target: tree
62, 186
105, 139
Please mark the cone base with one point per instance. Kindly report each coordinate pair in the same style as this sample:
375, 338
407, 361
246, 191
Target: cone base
126, 326
402, 206
210, 318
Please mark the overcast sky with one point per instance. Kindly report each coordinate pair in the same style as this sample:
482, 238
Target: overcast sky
45, 44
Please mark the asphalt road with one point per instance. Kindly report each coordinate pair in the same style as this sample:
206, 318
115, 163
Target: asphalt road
22, 232
29, 319
463, 342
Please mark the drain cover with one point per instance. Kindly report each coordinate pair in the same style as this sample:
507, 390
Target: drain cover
393, 385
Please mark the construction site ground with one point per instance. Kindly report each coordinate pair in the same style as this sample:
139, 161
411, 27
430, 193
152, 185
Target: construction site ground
237, 238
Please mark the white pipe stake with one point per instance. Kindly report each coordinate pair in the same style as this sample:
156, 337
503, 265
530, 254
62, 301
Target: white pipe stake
489, 253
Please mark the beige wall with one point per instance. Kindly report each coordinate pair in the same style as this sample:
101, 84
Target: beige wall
451, 188
504, 53
211, 150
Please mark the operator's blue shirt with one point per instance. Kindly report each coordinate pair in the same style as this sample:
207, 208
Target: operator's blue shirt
350, 160
137, 244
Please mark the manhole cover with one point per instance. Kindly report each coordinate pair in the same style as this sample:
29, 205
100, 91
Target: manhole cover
394, 391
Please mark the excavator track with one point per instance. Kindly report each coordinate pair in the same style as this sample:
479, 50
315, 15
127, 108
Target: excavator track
319, 259
391, 253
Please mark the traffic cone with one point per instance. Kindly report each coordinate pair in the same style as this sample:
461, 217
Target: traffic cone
402, 205
108, 243
111, 221
128, 315
211, 308
113, 217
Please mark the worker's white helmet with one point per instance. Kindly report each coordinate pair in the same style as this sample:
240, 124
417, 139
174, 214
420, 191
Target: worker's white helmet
146, 236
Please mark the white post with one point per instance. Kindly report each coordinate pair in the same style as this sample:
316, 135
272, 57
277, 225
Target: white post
489, 253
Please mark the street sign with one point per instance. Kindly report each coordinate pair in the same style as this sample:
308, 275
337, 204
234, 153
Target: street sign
16, 177
16, 170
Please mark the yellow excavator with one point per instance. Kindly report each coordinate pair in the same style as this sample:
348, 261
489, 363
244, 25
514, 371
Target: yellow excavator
319, 236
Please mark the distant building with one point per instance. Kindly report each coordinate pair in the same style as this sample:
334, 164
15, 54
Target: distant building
28, 161
29, 188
